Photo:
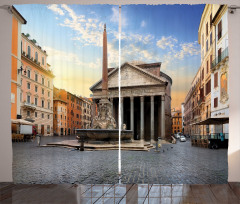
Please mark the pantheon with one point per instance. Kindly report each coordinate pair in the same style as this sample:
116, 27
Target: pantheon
145, 98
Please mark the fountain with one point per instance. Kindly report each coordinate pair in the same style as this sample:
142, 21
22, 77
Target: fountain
104, 125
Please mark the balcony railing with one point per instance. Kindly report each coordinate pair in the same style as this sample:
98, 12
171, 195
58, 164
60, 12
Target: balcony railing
218, 59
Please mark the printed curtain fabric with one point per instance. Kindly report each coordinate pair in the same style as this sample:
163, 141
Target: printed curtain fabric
120, 83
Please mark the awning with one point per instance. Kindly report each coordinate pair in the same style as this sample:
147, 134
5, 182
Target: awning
213, 121
21, 121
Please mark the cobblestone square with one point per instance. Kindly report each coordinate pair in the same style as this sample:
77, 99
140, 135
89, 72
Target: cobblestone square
174, 164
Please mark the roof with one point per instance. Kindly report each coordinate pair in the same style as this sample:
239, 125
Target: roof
137, 68
18, 15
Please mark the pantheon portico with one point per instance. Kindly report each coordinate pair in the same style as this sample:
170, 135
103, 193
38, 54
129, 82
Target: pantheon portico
145, 98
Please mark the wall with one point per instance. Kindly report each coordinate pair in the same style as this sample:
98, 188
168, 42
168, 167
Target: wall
5, 76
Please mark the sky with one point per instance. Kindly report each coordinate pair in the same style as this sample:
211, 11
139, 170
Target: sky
72, 37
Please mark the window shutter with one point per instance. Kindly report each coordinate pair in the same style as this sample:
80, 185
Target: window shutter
219, 30
215, 80
210, 61
215, 102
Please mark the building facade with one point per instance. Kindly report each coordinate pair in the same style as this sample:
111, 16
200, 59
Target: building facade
78, 111
59, 117
219, 71
176, 122
17, 21
36, 97
146, 99
208, 97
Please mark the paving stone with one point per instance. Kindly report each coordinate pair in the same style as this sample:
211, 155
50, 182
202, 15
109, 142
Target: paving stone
182, 164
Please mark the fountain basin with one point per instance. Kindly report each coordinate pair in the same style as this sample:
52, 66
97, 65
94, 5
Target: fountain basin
105, 134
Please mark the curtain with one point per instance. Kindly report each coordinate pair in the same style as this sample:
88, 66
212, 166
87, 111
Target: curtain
86, 75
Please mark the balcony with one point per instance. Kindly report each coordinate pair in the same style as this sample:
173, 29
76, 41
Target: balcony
28, 105
220, 58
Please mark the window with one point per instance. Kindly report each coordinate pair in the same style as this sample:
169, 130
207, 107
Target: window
219, 55
210, 38
203, 40
215, 79
202, 73
43, 81
35, 114
28, 99
216, 102
42, 91
219, 30
48, 105
29, 52
207, 29
206, 45
28, 73
42, 103
28, 113
36, 77
36, 101
42, 115
208, 87
49, 94
48, 129
48, 83
61, 116
42, 60
28, 85
48, 116
210, 20
210, 61
36, 89
55, 115
36, 56
207, 67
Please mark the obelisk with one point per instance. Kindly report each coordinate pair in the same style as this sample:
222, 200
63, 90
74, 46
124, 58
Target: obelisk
105, 65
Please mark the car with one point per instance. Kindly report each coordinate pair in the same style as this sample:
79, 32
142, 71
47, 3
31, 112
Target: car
178, 135
182, 138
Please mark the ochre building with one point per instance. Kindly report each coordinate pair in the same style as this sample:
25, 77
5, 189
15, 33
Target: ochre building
78, 111
176, 122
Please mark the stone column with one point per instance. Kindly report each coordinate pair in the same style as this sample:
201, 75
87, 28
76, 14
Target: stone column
132, 114
122, 107
159, 116
94, 108
152, 119
163, 117
142, 119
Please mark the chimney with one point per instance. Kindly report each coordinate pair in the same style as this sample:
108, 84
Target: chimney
105, 64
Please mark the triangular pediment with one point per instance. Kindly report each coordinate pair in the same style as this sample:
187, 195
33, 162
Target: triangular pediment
131, 76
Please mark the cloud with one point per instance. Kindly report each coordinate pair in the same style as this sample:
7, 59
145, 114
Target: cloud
143, 24
165, 42
115, 17
56, 9
88, 30
59, 55
188, 49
